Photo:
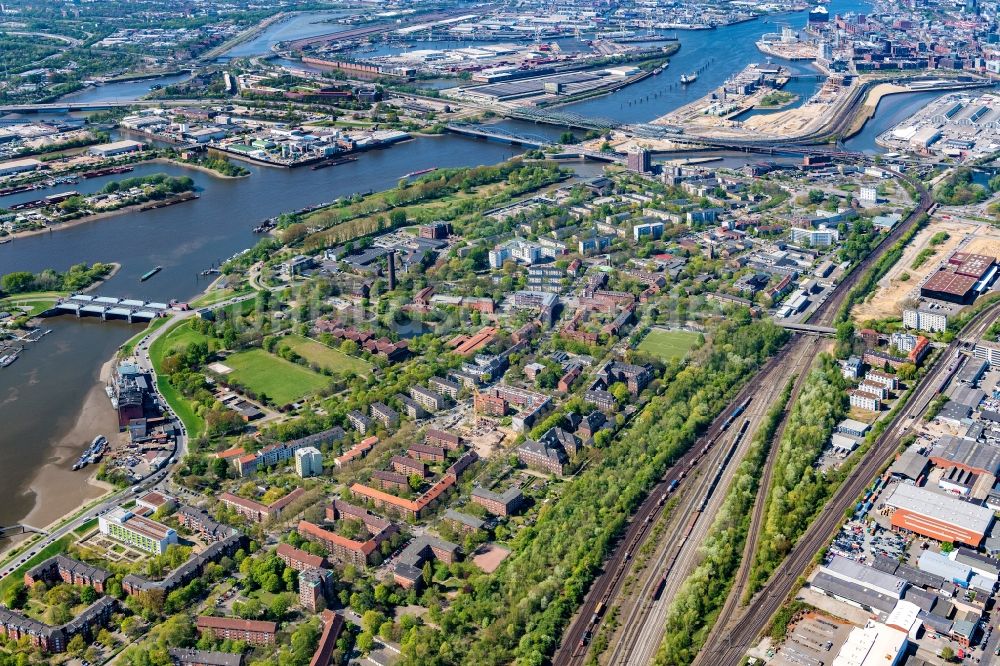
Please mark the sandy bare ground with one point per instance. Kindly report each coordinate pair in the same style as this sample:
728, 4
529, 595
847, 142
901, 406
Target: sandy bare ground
892, 291
58, 490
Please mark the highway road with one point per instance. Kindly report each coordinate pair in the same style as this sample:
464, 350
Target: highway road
745, 625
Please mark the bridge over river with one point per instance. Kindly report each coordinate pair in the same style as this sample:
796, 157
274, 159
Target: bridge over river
108, 307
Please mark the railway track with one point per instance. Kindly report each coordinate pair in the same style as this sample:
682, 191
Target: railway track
825, 313
731, 647
644, 625
603, 590
757, 517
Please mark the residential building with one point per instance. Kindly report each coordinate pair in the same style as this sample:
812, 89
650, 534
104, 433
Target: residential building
360, 422
444, 387
406, 465
359, 450
426, 452
543, 456
639, 160
384, 414
198, 521
298, 559
333, 625
315, 585
254, 632
499, 504
925, 320
865, 400
444, 439
308, 462
54, 639
138, 531
408, 572
257, 511
463, 521
135, 584
189, 657
427, 399
65, 569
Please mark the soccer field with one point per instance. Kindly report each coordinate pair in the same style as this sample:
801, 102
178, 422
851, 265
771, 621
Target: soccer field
668, 345
282, 381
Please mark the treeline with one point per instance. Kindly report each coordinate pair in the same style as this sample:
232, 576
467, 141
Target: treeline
79, 276
799, 490
359, 217
695, 608
161, 182
517, 614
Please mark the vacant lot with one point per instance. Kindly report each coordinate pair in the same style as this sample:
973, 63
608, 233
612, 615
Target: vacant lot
266, 374
326, 357
893, 291
668, 345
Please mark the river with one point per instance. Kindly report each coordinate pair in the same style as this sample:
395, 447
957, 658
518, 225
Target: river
41, 396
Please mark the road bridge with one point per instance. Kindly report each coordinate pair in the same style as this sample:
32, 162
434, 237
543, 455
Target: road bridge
815, 329
69, 105
108, 307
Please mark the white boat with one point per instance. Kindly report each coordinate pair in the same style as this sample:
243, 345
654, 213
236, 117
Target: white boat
688, 78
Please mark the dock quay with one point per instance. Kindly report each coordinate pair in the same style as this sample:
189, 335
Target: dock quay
108, 307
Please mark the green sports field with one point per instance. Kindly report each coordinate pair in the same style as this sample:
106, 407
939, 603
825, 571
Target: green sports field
282, 381
668, 345
325, 357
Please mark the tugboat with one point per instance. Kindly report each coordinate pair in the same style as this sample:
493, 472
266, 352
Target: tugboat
689, 78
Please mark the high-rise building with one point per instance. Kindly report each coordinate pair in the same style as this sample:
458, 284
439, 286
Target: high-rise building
639, 160
308, 462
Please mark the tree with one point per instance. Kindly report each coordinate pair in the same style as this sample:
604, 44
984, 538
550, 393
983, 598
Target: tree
947, 653
371, 621
88, 595
76, 644
17, 282
427, 573
365, 642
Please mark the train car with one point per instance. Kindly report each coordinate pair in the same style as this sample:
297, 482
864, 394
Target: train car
673, 486
658, 590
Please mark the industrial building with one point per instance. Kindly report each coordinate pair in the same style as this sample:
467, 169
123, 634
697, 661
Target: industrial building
965, 277
938, 516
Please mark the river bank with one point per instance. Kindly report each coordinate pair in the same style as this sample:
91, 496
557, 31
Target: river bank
181, 197
195, 167
57, 490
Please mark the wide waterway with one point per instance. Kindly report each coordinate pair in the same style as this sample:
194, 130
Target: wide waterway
42, 394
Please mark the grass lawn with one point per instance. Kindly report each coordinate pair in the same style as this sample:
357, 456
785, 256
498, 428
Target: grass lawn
281, 380
325, 357
180, 336
129, 345
668, 345
177, 336
17, 576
